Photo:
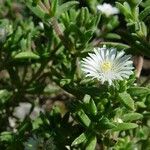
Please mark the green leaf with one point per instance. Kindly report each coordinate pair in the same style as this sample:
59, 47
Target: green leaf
140, 104
139, 91
144, 13
113, 36
83, 118
6, 136
126, 100
36, 123
64, 82
91, 4
80, 139
26, 55
4, 96
36, 9
131, 117
54, 6
91, 143
65, 7
125, 126
87, 36
125, 9
86, 15
115, 44
105, 123
134, 3
81, 17
92, 107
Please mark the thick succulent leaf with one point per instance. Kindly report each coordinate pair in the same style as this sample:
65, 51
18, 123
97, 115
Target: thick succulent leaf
139, 91
65, 7
146, 12
91, 143
125, 126
126, 100
132, 117
80, 139
26, 55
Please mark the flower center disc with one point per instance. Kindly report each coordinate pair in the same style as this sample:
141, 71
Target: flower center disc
106, 66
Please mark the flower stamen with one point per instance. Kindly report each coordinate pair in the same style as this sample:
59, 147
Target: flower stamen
106, 66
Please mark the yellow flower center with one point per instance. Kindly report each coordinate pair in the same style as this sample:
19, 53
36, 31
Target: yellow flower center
106, 66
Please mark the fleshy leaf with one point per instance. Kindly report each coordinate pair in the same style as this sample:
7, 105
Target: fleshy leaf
26, 55
131, 117
125, 126
126, 100
80, 139
91, 143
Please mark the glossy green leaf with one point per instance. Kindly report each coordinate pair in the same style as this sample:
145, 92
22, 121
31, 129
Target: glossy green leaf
126, 100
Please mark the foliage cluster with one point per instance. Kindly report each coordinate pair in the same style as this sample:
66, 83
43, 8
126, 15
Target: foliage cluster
42, 43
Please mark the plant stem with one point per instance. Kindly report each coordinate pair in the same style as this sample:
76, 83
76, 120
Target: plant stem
138, 61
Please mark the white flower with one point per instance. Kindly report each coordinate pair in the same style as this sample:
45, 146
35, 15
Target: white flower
107, 9
41, 25
2, 34
36, 112
12, 122
106, 64
22, 110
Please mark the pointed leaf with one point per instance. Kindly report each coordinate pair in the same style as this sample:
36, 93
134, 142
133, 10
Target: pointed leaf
65, 7
91, 143
83, 118
26, 55
54, 6
36, 9
92, 107
105, 123
4, 96
144, 13
80, 139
